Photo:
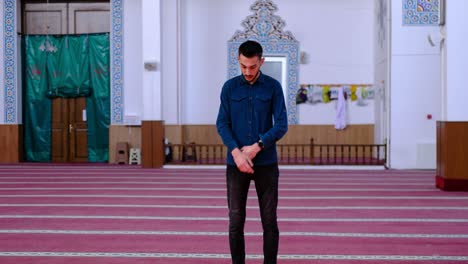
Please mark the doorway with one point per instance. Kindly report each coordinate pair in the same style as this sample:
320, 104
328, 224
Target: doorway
69, 125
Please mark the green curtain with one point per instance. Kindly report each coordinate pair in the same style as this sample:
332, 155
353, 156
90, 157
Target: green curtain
98, 103
37, 108
66, 66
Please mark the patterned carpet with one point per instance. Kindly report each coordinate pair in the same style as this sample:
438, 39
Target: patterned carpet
126, 214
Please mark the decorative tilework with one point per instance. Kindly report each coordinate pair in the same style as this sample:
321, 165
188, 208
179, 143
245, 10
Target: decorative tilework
9, 51
117, 105
421, 12
267, 29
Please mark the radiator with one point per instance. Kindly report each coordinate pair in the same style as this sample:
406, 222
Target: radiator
426, 155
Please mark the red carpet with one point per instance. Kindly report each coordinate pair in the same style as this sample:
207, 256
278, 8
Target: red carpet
125, 214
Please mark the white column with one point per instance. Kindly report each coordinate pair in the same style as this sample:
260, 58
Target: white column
151, 47
457, 60
170, 61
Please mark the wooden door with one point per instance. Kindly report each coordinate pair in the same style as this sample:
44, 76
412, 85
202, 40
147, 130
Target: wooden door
69, 130
78, 130
69, 126
83, 18
60, 130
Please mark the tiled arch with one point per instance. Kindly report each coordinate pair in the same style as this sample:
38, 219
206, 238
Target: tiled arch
267, 28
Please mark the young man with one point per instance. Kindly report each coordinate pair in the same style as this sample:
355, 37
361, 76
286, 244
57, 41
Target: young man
252, 118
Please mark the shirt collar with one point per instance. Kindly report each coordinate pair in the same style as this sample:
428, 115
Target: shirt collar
261, 79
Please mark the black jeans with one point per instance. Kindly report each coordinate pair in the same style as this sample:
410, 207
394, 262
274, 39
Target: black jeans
266, 185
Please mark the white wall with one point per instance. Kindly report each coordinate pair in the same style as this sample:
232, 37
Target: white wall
2, 65
415, 92
336, 34
457, 60
337, 37
170, 61
325, 113
206, 26
133, 58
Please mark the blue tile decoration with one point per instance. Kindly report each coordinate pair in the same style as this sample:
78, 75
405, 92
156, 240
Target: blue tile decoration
9, 52
421, 12
117, 104
267, 29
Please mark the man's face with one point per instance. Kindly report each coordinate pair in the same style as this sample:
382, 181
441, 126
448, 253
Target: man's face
250, 66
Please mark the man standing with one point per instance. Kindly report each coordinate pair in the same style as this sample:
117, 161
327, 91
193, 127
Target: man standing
252, 118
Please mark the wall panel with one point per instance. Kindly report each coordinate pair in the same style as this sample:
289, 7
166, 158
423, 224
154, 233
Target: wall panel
11, 143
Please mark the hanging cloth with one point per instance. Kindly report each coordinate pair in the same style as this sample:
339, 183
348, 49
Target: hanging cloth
98, 103
37, 108
340, 121
301, 95
360, 96
68, 66
59, 66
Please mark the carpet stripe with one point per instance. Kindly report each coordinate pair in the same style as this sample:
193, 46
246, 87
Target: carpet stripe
428, 184
227, 256
463, 208
224, 197
256, 219
221, 226
222, 182
213, 189
252, 202
258, 234
293, 170
201, 176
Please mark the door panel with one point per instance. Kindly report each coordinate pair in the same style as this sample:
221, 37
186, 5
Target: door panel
38, 17
60, 130
88, 18
78, 135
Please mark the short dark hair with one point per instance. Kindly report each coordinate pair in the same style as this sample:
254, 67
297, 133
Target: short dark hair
250, 49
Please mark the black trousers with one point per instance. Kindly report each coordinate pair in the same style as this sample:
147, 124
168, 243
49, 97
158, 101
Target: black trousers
266, 185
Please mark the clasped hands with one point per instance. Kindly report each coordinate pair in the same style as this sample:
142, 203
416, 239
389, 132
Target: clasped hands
243, 157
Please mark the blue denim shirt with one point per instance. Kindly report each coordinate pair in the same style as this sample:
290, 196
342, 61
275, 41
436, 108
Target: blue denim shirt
248, 113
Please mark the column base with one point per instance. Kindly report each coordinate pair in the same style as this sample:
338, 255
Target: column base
460, 185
